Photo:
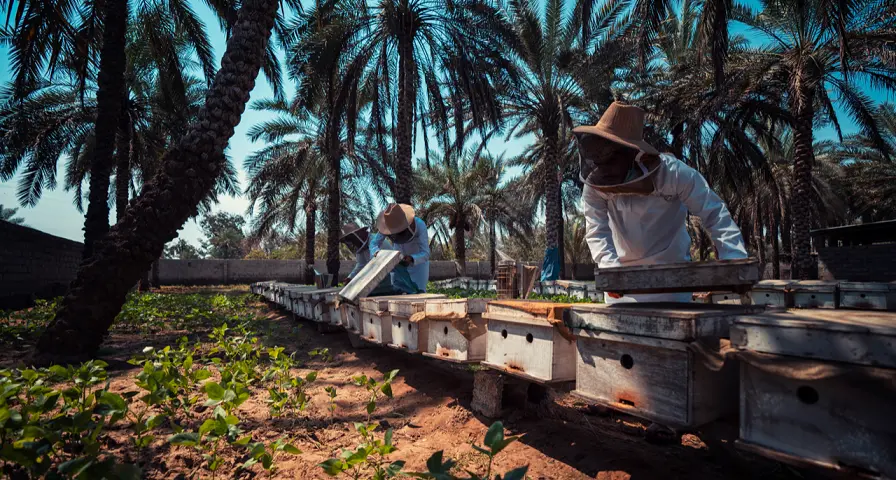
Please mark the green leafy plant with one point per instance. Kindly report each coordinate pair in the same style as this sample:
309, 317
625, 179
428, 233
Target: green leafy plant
222, 428
374, 388
266, 455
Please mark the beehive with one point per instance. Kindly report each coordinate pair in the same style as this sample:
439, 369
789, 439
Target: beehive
868, 295
407, 335
320, 311
815, 294
773, 293
535, 346
719, 275
333, 314
657, 361
351, 317
818, 388
445, 341
725, 298
376, 320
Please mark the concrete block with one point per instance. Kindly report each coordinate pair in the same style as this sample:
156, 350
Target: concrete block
488, 392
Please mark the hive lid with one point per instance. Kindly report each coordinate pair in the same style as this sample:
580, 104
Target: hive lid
460, 305
867, 287
370, 276
381, 304
851, 336
817, 286
773, 285
679, 277
672, 321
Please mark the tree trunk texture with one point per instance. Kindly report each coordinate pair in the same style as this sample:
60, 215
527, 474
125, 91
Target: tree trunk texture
492, 247
109, 95
760, 244
776, 249
786, 236
678, 140
460, 246
552, 207
310, 234
804, 158
188, 172
334, 216
404, 173
122, 165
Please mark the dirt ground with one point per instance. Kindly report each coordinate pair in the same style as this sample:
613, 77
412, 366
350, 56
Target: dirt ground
431, 411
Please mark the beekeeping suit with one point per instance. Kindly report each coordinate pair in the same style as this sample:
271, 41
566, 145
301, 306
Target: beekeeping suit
408, 235
636, 212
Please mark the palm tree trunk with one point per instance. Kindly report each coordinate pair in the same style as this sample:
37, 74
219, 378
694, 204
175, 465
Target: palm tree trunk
122, 166
310, 234
552, 208
188, 172
492, 246
561, 231
760, 243
334, 213
110, 92
460, 246
404, 186
678, 140
804, 157
776, 250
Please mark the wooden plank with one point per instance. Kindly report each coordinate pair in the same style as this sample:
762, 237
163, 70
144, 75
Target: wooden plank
858, 337
815, 294
370, 276
680, 277
673, 321
832, 421
647, 382
773, 293
867, 296
525, 349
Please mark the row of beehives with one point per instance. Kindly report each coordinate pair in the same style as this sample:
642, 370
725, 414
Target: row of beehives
814, 294
575, 289
813, 387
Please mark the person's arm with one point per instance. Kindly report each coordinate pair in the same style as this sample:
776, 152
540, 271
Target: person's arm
359, 260
693, 190
376, 243
598, 235
422, 239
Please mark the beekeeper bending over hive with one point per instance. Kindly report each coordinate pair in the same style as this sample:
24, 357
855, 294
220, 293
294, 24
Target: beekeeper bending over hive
636, 201
408, 235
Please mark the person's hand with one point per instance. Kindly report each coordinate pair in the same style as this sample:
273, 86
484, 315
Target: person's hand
407, 261
613, 294
377, 253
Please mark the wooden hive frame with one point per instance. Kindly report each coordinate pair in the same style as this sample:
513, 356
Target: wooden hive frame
527, 346
720, 275
445, 342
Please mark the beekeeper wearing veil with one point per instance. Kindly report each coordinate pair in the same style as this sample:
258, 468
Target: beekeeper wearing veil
636, 201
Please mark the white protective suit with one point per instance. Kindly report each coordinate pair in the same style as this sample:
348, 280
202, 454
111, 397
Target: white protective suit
417, 248
629, 230
362, 258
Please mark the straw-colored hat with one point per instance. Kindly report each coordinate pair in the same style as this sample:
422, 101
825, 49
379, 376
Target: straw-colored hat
350, 228
622, 124
397, 217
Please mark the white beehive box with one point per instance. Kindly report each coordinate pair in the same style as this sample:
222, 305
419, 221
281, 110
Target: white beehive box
407, 335
376, 321
773, 293
817, 388
725, 298
637, 358
333, 314
868, 295
320, 310
527, 345
815, 294
351, 317
445, 342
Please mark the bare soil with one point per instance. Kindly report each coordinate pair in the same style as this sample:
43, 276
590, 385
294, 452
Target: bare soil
431, 411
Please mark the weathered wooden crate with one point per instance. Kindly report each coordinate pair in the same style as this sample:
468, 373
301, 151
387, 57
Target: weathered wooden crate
527, 345
370, 276
405, 334
815, 294
818, 388
720, 275
773, 293
376, 320
640, 358
445, 342
868, 295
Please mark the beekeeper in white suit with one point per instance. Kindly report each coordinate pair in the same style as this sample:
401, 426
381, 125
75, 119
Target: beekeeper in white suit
399, 224
636, 201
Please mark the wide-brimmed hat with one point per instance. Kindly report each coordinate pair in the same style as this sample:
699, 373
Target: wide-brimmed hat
397, 217
350, 228
622, 124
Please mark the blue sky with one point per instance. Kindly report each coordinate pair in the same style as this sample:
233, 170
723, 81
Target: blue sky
55, 213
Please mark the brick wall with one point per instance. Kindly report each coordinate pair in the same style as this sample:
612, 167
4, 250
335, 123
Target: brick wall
859, 263
34, 264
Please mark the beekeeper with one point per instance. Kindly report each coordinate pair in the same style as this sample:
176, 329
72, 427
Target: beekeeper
636, 201
356, 238
399, 224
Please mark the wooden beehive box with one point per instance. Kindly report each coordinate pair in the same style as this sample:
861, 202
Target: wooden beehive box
638, 358
331, 301
773, 293
527, 345
376, 320
815, 294
720, 275
351, 317
320, 311
818, 388
443, 339
868, 295
725, 298
405, 334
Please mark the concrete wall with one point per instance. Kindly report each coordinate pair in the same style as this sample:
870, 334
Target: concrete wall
34, 264
858, 263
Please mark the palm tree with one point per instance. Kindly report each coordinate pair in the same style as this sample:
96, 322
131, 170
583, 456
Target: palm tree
464, 191
8, 215
502, 210
810, 57
442, 62
873, 190
188, 172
